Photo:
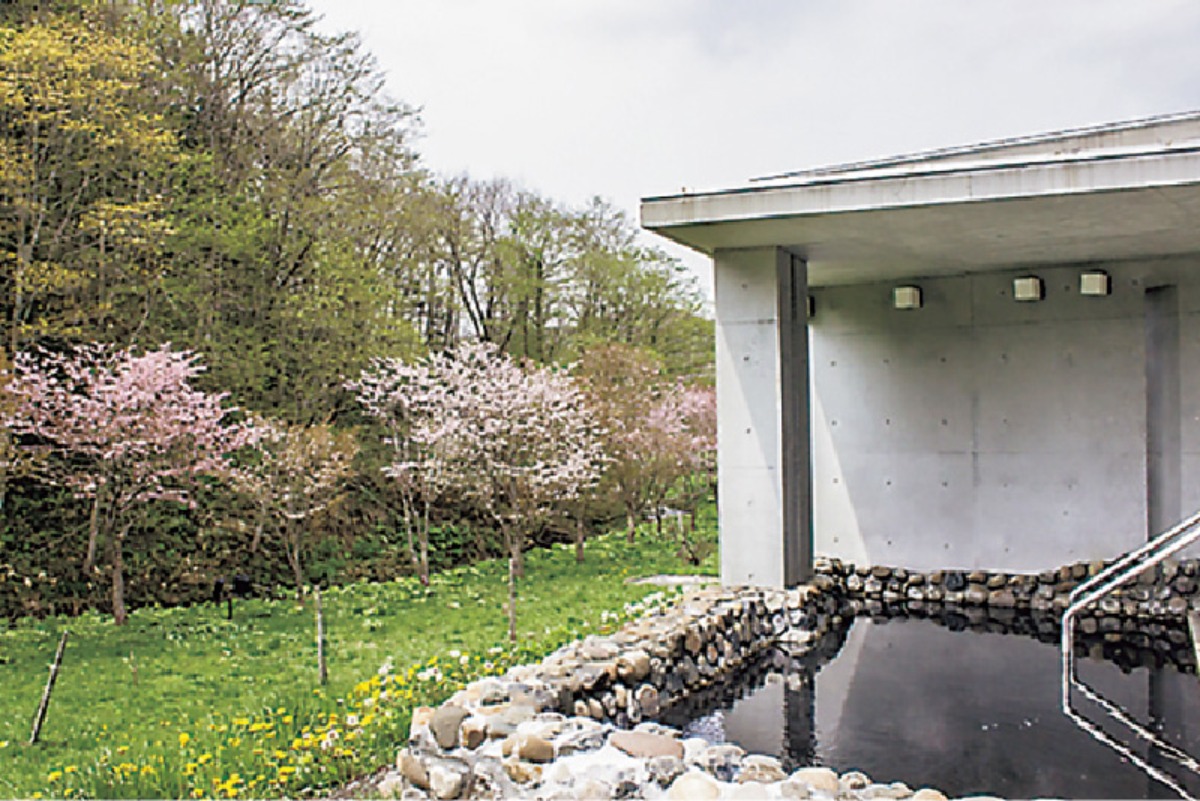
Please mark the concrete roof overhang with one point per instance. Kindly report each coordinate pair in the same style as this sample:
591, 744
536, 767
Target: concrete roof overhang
915, 217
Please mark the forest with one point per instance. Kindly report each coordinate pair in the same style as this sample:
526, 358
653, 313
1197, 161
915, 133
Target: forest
247, 333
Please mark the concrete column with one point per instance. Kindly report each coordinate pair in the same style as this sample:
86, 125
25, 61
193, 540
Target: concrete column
763, 421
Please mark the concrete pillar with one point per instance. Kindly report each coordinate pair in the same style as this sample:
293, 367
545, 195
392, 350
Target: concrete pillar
763, 423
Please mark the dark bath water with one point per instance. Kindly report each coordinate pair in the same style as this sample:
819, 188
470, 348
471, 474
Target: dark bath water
968, 712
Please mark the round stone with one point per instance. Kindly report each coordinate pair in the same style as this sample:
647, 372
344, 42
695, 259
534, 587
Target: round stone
694, 785
792, 788
645, 745
446, 778
822, 779
762, 769
854, 780
928, 794
444, 725
528, 747
412, 769
522, 772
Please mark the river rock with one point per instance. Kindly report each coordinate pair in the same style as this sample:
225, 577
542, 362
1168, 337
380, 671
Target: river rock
412, 769
1002, 598
528, 747
928, 794
472, 732
854, 780
664, 769
765, 769
447, 778
896, 791
975, 594
644, 744
633, 666
444, 725
391, 785
592, 790
522, 772
822, 779
694, 786
792, 788
750, 791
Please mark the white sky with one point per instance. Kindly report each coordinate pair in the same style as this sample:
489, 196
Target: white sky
630, 98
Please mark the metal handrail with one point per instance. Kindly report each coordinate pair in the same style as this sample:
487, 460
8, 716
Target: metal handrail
1121, 571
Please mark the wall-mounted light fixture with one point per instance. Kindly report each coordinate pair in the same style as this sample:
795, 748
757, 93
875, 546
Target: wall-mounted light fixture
1028, 288
1095, 282
906, 297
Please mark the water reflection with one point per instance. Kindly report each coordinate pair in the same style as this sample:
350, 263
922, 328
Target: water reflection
962, 707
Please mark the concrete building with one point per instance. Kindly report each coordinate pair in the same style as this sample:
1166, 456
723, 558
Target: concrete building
986, 356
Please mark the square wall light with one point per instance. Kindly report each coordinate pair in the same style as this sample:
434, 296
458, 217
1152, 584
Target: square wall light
1028, 288
1095, 282
906, 297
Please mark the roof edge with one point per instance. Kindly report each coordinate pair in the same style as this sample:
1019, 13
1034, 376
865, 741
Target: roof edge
982, 147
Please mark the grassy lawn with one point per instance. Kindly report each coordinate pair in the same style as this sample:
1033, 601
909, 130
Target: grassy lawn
183, 703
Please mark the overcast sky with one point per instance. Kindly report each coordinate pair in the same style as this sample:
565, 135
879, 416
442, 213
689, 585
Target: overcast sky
630, 98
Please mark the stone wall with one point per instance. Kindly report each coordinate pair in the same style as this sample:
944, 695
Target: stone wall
1167, 592
561, 728
558, 728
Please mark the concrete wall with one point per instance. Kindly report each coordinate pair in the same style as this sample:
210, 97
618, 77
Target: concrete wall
762, 417
980, 432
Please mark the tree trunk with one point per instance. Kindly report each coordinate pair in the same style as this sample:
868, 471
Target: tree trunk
118, 580
512, 600
658, 521
580, 536
424, 542
518, 553
292, 549
412, 548
93, 536
630, 526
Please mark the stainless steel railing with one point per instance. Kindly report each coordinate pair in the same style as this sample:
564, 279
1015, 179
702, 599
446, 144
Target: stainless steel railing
1123, 570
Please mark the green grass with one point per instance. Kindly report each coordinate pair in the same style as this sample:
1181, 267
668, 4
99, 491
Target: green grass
183, 703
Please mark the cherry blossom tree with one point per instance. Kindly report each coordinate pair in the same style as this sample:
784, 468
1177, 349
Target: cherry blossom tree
295, 473
405, 399
694, 443
623, 385
660, 435
121, 429
516, 440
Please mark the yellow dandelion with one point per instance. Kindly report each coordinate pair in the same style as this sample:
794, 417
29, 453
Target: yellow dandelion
280, 754
241, 721
54, 776
189, 769
197, 793
184, 739
234, 742
204, 759
148, 770
70, 769
288, 718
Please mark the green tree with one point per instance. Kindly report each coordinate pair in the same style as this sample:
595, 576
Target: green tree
84, 158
